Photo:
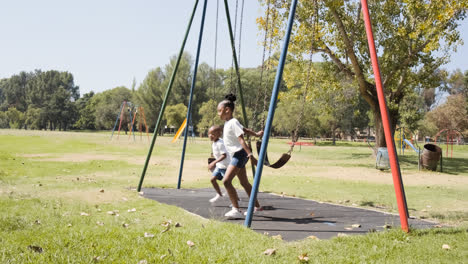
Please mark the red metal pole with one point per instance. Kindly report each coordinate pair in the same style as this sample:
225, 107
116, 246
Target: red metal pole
397, 181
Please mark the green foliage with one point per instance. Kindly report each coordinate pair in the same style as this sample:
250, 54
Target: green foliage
150, 95
86, 108
4, 120
107, 106
175, 114
15, 118
209, 116
412, 39
452, 114
51, 94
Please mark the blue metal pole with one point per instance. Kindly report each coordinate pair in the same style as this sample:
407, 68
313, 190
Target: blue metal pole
117, 119
194, 80
163, 106
271, 114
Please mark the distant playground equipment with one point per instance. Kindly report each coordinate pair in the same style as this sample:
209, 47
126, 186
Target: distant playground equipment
140, 114
405, 139
181, 130
451, 136
130, 108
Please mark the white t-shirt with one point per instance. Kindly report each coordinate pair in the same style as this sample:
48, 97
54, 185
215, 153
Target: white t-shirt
218, 151
232, 131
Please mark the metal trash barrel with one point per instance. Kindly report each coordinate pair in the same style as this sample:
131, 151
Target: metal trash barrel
430, 156
382, 161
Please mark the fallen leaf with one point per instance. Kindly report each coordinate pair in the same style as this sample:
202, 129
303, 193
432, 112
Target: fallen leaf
69, 225
102, 190
111, 212
313, 237
167, 229
279, 237
311, 214
190, 243
445, 246
37, 222
269, 252
303, 258
131, 210
36, 249
178, 224
356, 225
84, 214
438, 226
125, 225
148, 235
166, 223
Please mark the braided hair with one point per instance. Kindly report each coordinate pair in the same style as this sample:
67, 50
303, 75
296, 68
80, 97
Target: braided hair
229, 101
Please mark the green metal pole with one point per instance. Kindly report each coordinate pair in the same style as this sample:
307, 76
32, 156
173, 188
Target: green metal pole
168, 90
234, 56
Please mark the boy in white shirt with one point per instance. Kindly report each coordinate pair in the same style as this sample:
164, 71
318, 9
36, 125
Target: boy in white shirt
219, 165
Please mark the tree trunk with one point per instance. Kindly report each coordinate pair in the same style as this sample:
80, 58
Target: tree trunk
379, 131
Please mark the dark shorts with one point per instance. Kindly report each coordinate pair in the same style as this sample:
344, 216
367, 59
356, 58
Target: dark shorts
219, 173
239, 159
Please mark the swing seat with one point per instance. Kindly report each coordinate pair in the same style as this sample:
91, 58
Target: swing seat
279, 163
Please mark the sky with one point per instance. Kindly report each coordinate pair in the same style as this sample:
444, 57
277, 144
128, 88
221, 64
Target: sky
108, 43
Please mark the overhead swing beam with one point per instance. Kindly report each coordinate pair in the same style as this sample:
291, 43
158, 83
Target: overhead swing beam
271, 114
194, 80
168, 90
394, 164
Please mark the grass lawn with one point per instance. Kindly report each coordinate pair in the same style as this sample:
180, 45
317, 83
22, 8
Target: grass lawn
67, 197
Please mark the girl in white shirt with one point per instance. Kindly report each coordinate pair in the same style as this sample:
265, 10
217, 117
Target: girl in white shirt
233, 136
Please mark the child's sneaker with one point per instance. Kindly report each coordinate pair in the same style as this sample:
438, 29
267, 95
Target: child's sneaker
234, 213
216, 198
257, 209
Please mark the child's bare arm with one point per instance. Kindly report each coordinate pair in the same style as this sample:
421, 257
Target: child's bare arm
250, 132
212, 165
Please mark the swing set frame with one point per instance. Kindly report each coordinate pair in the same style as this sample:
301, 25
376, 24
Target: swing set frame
394, 165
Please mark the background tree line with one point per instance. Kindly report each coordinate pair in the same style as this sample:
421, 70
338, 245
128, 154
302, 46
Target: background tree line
50, 100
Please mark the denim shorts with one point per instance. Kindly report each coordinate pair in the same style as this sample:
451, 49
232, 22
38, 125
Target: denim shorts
239, 159
219, 173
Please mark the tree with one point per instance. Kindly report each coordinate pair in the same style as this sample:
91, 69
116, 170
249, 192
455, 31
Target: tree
409, 36
150, 95
15, 118
86, 109
107, 107
175, 114
209, 116
452, 114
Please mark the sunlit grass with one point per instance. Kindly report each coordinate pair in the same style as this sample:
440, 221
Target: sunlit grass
57, 189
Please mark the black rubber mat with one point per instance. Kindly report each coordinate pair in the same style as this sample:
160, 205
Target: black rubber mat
292, 218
